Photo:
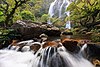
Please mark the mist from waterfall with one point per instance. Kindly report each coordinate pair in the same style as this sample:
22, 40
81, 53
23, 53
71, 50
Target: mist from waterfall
58, 9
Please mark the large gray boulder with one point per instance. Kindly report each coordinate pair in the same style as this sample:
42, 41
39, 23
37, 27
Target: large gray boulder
30, 30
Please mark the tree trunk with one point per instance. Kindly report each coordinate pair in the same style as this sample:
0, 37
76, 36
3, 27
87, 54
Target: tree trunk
9, 16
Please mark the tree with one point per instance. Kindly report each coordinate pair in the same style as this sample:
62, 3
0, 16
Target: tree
45, 18
86, 12
27, 15
8, 7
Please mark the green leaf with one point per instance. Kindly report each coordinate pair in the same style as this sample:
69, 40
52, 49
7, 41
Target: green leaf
1, 13
92, 2
2, 18
81, 4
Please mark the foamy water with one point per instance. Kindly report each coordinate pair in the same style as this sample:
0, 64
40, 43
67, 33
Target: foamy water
45, 57
10, 58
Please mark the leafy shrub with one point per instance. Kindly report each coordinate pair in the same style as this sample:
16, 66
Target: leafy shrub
8, 34
27, 15
95, 37
44, 17
17, 16
2, 17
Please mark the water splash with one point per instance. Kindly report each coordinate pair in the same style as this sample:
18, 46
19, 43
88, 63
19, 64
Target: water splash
82, 51
44, 57
75, 60
10, 58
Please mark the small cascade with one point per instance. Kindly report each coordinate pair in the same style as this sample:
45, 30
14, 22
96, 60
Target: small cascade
74, 60
58, 9
82, 51
10, 47
44, 57
83, 48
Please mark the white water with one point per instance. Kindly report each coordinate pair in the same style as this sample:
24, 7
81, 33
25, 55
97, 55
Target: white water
45, 57
9, 58
28, 42
58, 9
51, 9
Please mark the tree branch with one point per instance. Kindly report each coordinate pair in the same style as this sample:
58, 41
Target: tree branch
9, 16
21, 2
16, 1
2, 7
93, 24
5, 10
7, 5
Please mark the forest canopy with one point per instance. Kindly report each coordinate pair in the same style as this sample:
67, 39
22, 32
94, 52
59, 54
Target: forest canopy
85, 12
13, 10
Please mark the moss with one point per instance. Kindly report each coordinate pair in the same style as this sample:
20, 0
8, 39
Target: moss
95, 37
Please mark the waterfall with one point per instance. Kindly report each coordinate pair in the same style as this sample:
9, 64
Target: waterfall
54, 9
51, 9
58, 9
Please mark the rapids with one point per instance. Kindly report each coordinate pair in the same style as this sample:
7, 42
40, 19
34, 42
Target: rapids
44, 57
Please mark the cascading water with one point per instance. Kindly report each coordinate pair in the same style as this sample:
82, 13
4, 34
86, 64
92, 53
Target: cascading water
54, 9
58, 9
44, 57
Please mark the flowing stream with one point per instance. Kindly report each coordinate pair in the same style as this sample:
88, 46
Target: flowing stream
44, 57
48, 56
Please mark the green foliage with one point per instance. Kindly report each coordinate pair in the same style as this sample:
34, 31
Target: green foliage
1, 13
57, 21
27, 15
8, 34
54, 20
4, 35
29, 10
95, 37
17, 16
2, 17
84, 11
44, 17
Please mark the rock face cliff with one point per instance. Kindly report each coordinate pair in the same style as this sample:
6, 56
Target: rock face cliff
29, 30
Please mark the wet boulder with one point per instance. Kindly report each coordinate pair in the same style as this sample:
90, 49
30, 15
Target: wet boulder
53, 32
30, 30
50, 43
27, 29
70, 45
35, 46
93, 51
66, 33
